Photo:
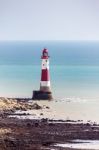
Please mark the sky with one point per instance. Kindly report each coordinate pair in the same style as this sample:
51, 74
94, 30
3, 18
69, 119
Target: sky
49, 20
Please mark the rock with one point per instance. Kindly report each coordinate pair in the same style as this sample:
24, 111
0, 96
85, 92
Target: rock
47, 107
9, 106
44, 120
36, 124
36, 106
41, 114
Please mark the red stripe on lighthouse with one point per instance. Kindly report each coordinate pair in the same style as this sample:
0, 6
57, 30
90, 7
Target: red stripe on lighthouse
45, 75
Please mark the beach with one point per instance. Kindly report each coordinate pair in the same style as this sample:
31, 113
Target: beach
34, 125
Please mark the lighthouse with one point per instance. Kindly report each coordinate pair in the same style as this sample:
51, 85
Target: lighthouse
44, 92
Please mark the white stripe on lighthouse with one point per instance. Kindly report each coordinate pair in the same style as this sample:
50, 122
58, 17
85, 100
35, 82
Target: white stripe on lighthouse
45, 64
45, 83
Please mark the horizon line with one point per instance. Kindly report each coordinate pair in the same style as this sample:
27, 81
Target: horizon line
48, 40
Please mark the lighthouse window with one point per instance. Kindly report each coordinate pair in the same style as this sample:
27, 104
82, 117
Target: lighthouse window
45, 54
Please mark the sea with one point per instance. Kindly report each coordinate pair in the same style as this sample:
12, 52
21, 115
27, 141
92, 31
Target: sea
74, 68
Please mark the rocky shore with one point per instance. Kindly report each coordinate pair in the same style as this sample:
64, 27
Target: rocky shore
38, 134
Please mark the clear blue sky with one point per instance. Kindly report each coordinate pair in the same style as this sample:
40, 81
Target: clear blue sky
49, 19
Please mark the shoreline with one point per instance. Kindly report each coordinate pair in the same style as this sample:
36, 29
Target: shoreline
40, 133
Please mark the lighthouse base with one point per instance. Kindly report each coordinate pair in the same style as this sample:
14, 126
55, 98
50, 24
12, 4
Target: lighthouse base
40, 95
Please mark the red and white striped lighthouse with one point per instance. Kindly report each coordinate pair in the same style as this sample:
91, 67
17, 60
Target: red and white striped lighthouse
45, 77
45, 89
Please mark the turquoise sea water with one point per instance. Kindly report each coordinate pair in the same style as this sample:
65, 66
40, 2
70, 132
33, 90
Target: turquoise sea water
74, 68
